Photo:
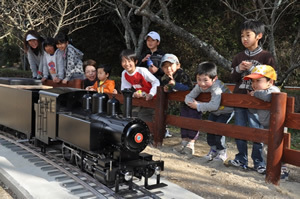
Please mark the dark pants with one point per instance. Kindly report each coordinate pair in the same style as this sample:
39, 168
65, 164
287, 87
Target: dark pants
186, 111
217, 140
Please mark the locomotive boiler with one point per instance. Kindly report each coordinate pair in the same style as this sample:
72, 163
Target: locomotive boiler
95, 136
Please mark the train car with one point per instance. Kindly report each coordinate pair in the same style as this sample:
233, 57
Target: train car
18, 96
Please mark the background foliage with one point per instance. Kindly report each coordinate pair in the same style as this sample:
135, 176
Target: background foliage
210, 21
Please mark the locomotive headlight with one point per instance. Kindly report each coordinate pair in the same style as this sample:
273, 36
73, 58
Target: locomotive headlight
157, 170
128, 176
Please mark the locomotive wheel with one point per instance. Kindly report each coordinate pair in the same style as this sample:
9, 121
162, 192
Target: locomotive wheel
67, 155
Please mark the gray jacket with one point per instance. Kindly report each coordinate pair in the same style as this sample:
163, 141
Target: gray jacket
213, 105
265, 95
35, 62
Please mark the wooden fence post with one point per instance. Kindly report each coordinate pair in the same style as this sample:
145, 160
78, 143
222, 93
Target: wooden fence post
160, 117
275, 138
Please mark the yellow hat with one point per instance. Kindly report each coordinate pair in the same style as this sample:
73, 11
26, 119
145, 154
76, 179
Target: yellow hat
262, 71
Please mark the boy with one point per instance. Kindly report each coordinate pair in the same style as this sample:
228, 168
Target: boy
175, 79
103, 84
151, 59
141, 80
207, 82
263, 78
243, 63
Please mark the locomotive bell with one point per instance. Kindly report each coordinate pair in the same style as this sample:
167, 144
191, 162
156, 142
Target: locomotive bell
99, 102
86, 101
113, 106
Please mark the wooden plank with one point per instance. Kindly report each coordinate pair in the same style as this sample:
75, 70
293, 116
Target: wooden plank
287, 140
275, 138
234, 131
228, 99
292, 120
291, 156
244, 101
76, 83
26, 86
290, 105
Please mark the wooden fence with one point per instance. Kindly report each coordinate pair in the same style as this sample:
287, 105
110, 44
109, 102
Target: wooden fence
282, 115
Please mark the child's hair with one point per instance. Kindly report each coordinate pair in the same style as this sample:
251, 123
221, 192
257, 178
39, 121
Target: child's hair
129, 54
61, 37
207, 68
106, 68
49, 41
89, 62
256, 26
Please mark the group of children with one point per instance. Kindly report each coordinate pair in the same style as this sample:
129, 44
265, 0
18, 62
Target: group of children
53, 58
253, 72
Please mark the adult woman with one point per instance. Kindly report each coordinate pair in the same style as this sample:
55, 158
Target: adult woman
89, 68
34, 50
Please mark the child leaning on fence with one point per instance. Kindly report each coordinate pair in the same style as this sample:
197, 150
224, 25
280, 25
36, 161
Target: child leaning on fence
263, 78
141, 79
207, 82
175, 79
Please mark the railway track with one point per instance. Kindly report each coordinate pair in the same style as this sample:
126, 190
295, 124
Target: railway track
69, 176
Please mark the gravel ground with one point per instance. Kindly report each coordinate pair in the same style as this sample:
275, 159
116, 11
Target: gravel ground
214, 180
5, 192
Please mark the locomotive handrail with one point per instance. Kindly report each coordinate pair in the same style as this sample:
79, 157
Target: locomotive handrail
282, 115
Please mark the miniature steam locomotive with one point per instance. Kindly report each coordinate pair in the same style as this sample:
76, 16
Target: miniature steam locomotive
89, 125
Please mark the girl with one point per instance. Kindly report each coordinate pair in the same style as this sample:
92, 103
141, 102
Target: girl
52, 62
71, 56
34, 50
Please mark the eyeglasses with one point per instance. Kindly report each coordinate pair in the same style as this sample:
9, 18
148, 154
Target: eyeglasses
90, 72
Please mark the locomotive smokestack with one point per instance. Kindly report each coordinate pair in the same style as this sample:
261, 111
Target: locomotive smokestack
127, 94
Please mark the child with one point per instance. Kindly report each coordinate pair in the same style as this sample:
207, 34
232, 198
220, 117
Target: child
263, 78
71, 56
52, 62
103, 84
207, 82
141, 80
90, 71
151, 59
242, 64
175, 79
34, 49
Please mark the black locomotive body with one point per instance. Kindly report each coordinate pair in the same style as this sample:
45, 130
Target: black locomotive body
93, 134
